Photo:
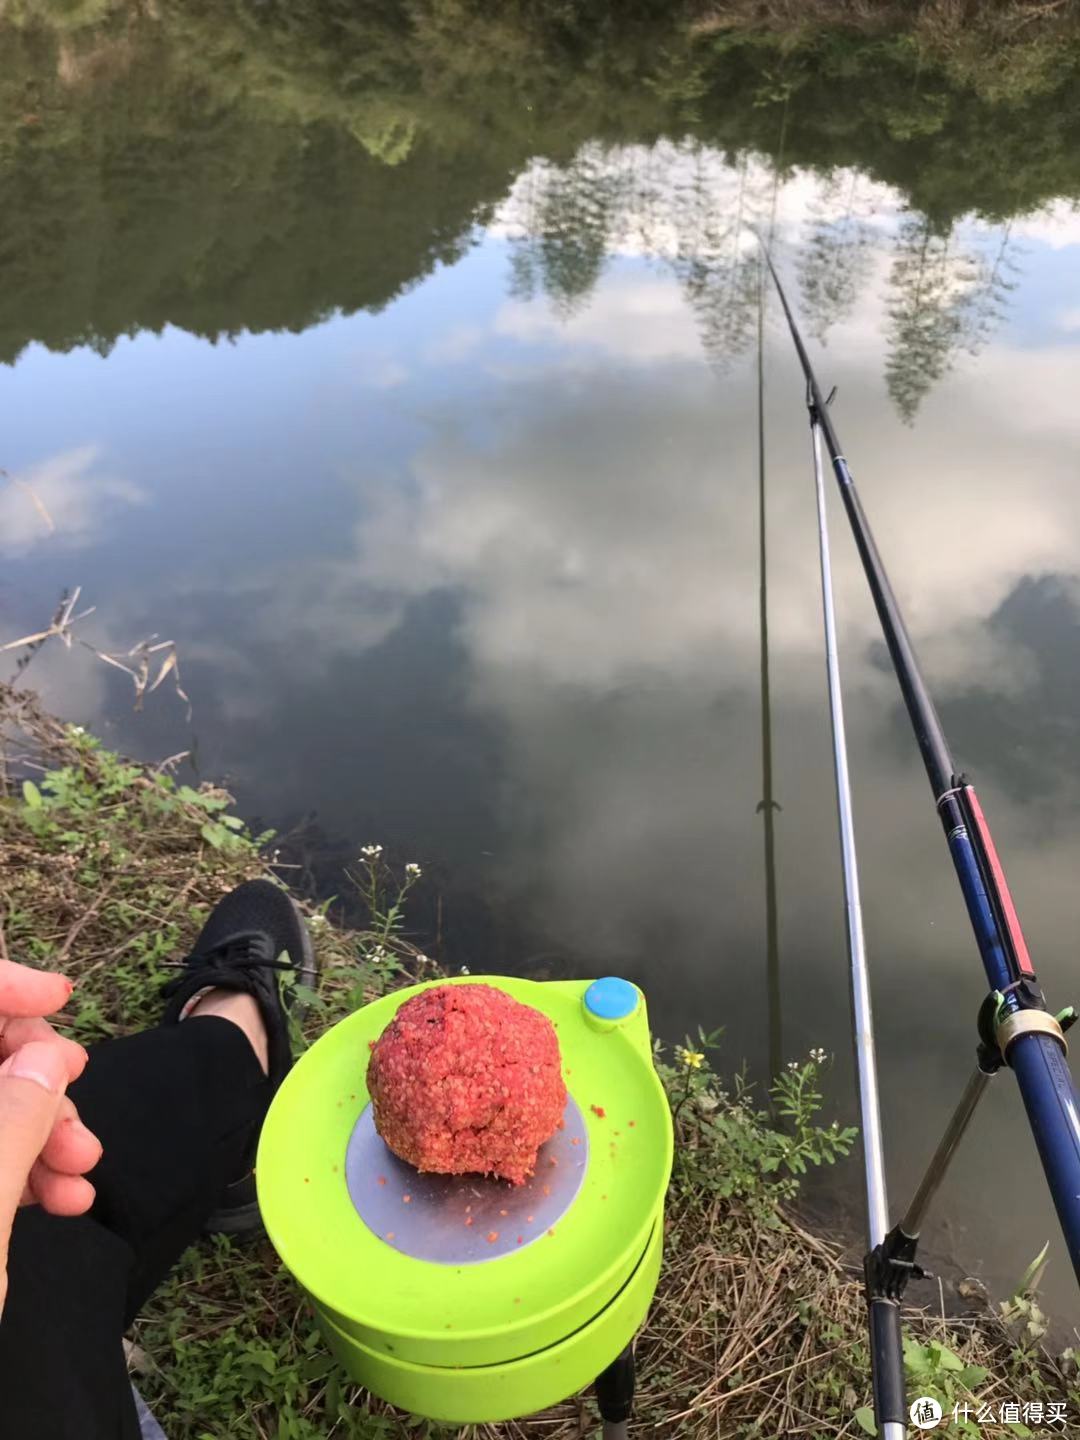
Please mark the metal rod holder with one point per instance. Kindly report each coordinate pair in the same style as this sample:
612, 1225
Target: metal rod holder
959, 1121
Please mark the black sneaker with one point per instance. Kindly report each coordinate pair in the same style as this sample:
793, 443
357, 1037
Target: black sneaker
252, 935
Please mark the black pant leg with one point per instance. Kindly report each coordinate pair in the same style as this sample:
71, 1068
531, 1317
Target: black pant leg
176, 1110
63, 1375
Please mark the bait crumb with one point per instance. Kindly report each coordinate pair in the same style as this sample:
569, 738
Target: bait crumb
553, 1163
632, 1123
528, 1219
380, 1180
307, 1179
576, 1140
406, 1199
333, 1169
547, 1189
517, 1299
493, 1235
352, 1097
603, 1197
598, 1111
390, 1234
521, 1239
503, 1212
551, 1231
468, 1220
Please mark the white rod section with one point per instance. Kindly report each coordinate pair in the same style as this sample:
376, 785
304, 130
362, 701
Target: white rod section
877, 1203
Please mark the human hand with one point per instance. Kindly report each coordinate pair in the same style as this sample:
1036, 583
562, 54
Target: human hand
44, 1147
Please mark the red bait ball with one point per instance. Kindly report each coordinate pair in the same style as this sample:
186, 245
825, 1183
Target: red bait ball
466, 1080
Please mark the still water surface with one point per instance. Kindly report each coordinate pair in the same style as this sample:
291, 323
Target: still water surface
470, 566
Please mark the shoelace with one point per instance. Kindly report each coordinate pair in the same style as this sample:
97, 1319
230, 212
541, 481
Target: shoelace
243, 952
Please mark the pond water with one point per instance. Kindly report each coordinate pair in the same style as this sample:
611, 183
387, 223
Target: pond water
414, 398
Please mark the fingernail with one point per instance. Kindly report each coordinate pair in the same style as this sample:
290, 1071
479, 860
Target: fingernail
21, 1066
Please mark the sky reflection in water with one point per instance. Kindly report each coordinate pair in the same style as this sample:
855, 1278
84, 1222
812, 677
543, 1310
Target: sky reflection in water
477, 577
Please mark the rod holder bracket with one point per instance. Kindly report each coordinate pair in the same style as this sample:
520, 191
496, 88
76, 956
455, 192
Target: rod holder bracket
889, 1266
999, 1027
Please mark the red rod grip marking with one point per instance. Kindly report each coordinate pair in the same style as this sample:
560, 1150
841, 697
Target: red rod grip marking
1012, 923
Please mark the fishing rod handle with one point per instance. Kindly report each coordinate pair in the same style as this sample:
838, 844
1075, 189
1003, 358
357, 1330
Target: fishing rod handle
890, 1400
1037, 1059
1049, 1096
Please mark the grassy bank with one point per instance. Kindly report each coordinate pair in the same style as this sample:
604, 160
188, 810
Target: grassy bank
107, 870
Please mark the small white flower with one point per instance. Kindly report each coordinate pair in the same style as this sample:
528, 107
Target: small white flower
465, 970
793, 1066
370, 852
422, 960
413, 871
317, 920
78, 729
818, 1056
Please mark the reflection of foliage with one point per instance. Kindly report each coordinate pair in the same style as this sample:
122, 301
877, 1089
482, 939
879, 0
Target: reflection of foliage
719, 265
932, 284
563, 235
200, 215
991, 296
835, 256
60, 14
674, 204
257, 164
939, 295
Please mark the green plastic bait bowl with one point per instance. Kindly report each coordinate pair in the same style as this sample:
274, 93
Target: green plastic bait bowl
461, 1298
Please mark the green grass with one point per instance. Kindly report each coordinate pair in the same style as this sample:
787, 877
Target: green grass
107, 869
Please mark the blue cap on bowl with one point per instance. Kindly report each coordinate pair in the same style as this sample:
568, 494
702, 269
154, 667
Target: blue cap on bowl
611, 998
